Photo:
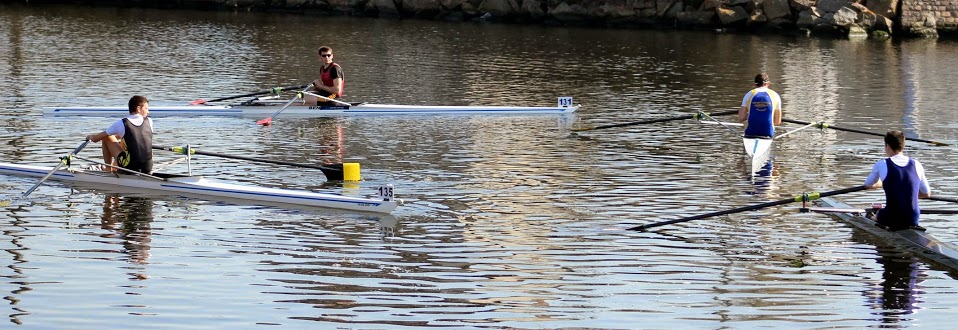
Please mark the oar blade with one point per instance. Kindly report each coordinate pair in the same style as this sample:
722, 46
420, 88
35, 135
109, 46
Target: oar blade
269, 120
198, 102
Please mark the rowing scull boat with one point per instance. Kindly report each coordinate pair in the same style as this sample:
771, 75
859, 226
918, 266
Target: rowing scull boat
758, 149
921, 243
262, 108
200, 186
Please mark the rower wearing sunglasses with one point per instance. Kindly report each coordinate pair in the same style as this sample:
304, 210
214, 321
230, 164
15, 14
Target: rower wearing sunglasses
331, 80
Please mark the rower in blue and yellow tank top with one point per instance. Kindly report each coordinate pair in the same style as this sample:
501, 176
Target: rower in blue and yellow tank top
761, 109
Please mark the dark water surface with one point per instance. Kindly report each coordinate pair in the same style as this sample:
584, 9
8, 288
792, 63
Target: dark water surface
510, 221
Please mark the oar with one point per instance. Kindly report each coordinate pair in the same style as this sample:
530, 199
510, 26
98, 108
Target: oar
944, 199
652, 121
799, 198
269, 120
331, 172
722, 123
824, 126
705, 115
274, 90
856, 210
63, 160
793, 131
328, 99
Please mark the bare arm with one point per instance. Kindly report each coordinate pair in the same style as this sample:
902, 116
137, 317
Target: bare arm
335, 89
318, 86
337, 86
873, 181
924, 188
97, 137
742, 114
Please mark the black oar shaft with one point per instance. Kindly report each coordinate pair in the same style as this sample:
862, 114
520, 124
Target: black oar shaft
944, 199
659, 120
261, 160
272, 90
824, 125
933, 211
811, 196
852, 210
714, 214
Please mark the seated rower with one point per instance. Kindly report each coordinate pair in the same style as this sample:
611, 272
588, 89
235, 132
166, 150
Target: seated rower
903, 180
128, 143
761, 109
331, 80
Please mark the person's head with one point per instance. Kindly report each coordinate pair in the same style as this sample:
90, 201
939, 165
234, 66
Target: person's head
895, 140
326, 54
761, 79
139, 102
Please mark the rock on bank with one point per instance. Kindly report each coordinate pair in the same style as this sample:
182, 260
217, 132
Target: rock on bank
924, 18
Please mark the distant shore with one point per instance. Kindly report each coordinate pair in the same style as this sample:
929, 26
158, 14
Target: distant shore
879, 19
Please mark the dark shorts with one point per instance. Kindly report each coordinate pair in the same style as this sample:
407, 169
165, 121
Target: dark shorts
134, 165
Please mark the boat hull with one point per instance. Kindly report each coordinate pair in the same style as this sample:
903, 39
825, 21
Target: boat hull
265, 110
758, 149
199, 186
921, 243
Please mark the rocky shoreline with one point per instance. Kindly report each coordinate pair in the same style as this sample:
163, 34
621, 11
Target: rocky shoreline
842, 18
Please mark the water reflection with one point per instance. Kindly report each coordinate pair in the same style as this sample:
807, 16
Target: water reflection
911, 95
17, 237
387, 225
323, 138
14, 60
809, 75
765, 180
129, 218
899, 295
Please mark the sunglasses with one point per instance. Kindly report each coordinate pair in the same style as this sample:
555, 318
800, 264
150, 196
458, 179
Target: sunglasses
326, 55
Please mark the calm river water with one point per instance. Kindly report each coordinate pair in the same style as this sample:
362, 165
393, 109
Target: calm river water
510, 221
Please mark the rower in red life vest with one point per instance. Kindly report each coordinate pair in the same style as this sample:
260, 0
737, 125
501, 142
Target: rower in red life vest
903, 180
331, 80
761, 109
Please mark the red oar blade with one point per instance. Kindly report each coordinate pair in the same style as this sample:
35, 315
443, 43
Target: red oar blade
269, 120
198, 102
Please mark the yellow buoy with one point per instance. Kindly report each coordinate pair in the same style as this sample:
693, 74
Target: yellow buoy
351, 172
